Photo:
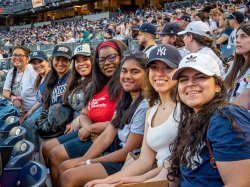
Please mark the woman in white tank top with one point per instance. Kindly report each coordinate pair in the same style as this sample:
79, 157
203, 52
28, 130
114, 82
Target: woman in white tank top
161, 120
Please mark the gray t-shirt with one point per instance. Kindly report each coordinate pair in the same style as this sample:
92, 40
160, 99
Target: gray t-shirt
136, 124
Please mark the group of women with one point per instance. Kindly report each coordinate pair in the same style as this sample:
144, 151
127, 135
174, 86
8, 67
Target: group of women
170, 109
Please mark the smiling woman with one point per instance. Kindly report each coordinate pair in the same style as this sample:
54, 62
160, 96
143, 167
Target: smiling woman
210, 131
19, 84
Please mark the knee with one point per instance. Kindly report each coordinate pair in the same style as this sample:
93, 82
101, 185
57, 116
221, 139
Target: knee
65, 179
55, 157
62, 168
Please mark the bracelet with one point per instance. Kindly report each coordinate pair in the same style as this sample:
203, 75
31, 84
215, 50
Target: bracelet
16, 98
88, 162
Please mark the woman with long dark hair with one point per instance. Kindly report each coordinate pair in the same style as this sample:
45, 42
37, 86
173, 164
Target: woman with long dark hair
128, 125
19, 84
100, 102
212, 146
238, 79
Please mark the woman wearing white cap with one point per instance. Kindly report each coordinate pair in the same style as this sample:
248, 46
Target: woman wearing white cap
197, 40
212, 147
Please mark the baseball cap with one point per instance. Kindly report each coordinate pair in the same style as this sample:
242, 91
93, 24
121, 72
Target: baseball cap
82, 50
38, 55
186, 18
165, 53
62, 50
237, 15
196, 27
200, 62
110, 31
148, 27
171, 29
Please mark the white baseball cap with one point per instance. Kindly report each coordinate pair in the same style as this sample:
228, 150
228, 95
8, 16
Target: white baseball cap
196, 27
82, 50
200, 62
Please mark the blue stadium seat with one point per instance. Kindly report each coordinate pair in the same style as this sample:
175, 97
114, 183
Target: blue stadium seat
6, 147
32, 174
10, 122
20, 154
16, 134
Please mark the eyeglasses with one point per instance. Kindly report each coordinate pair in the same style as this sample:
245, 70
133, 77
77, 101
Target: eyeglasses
136, 53
18, 56
111, 58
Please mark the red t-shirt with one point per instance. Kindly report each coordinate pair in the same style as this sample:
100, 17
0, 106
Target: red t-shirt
100, 107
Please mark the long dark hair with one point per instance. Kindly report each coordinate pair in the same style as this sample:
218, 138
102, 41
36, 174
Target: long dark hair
75, 82
52, 82
27, 53
192, 131
240, 66
99, 79
124, 110
38, 79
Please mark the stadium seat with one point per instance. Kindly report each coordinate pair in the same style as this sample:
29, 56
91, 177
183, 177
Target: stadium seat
32, 174
10, 122
6, 147
20, 154
11, 138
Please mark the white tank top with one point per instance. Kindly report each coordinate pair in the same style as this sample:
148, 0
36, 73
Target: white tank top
160, 137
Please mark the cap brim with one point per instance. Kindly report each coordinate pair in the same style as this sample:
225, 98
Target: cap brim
177, 73
169, 63
39, 58
182, 32
84, 54
64, 55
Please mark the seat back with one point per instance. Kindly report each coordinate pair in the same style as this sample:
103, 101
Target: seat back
31, 174
15, 135
10, 122
21, 154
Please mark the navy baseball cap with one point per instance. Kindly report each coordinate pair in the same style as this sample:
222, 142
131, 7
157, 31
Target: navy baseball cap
148, 27
165, 53
62, 50
171, 29
186, 18
38, 55
239, 16
110, 31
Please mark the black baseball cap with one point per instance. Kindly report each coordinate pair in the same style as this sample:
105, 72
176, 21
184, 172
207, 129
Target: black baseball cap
186, 18
239, 16
38, 55
62, 50
148, 27
171, 29
165, 53
110, 31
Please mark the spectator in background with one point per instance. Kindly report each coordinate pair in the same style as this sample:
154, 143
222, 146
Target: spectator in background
235, 19
146, 38
183, 21
109, 34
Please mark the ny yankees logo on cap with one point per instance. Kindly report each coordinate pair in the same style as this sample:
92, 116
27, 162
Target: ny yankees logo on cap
35, 53
161, 51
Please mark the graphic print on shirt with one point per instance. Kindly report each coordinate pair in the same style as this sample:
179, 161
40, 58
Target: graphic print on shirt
57, 92
97, 103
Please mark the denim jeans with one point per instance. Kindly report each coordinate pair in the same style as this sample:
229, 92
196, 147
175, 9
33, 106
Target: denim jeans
6, 110
30, 126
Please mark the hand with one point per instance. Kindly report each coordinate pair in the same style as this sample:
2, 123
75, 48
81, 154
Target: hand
96, 182
127, 180
68, 129
81, 162
93, 136
22, 119
83, 134
17, 103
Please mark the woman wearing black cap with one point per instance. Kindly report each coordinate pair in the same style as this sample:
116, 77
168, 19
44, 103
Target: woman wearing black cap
40, 64
161, 119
